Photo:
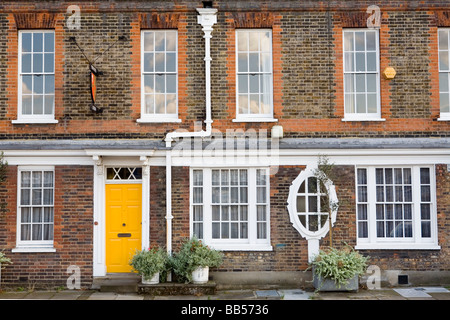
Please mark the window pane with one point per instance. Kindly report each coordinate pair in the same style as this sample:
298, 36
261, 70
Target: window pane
444, 102
49, 84
242, 62
171, 83
37, 42
243, 83
160, 86
149, 104
443, 40
26, 63
359, 41
266, 62
265, 41
160, 44
371, 61
424, 176
37, 63
253, 62
160, 61
348, 61
348, 41
25, 179
253, 39
149, 86
171, 41
171, 62
49, 42
443, 61
312, 204
371, 41
148, 41
362, 176
242, 41
49, 62
26, 42
443, 82
360, 61
38, 87
254, 83
48, 104
38, 104
148, 62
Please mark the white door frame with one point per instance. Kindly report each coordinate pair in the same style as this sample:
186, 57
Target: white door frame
101, 163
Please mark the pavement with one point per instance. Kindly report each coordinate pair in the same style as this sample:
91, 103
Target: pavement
401, 293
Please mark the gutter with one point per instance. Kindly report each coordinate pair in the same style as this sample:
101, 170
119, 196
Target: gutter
207, 18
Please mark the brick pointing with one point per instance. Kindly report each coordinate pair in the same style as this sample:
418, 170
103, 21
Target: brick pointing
307, 61
73, 223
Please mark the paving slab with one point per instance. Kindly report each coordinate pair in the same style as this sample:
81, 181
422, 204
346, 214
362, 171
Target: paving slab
267, 294
295, 294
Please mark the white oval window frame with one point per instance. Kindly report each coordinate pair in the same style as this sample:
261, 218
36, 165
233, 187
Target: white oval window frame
292, 205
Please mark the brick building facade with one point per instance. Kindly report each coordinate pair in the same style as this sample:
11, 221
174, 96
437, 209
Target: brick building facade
229, 79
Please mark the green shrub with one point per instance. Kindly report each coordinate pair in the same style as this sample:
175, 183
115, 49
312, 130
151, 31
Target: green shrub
148, 262
339, 265
193, 254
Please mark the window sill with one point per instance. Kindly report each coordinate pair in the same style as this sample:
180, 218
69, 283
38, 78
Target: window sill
443, 119
397, 246
33, 249
362, 119
255, 120
34, 121
241, 247
160, 120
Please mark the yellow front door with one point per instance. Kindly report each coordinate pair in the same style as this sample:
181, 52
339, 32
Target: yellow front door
123, 225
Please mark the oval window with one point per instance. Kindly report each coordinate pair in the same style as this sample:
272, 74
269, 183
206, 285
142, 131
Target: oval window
309, 204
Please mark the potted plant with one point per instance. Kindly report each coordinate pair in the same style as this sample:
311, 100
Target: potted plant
3, 261
192, 262
335, 269
149, 263
338, 270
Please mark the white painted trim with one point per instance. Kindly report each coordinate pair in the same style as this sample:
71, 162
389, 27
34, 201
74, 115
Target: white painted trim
23, 120
33, 119
252, 243
363, 116
259, 117
254, 119
156, 117
99, 237
416, 242
32, 245
145, 119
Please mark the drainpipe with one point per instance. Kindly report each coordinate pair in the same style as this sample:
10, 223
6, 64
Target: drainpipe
207, 18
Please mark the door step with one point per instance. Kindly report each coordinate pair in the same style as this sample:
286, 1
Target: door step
177, 289
131, 283
120, 283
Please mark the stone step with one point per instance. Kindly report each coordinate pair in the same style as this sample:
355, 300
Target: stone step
177, 289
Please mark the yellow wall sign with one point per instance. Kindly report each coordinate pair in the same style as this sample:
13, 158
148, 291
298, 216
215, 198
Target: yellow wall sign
389, 73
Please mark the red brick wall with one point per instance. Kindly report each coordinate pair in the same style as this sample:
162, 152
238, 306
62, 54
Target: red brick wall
73, 222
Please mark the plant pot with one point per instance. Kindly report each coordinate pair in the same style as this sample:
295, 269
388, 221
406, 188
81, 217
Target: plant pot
153, 280
200, 275
326, 284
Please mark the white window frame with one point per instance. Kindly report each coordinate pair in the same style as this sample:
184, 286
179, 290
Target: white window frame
250, 244
444, 116
414, 242
154, 117
254, 117
354, 116
295, 214
32, 245
33, 118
